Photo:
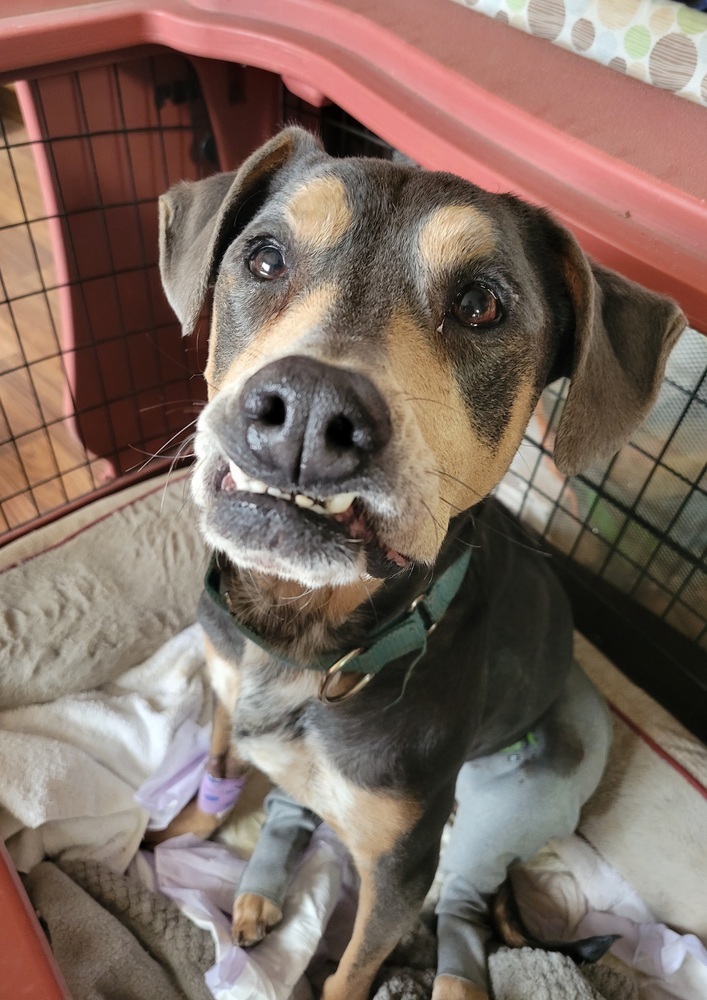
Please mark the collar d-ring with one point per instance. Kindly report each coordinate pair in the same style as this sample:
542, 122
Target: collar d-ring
332, 674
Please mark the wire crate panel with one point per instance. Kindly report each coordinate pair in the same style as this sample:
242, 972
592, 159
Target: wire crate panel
639, 520
96, 383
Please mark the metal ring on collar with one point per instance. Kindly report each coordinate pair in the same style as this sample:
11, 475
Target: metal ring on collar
414, 603
431, 626
335, 669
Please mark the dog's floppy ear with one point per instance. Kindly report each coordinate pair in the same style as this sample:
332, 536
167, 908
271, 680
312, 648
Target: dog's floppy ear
621, 341
198, 219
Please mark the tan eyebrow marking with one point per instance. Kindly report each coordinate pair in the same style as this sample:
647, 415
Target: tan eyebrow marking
454, 234
319, 212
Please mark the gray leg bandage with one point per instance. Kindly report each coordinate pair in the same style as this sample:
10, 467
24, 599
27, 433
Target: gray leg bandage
285, 834
508, 806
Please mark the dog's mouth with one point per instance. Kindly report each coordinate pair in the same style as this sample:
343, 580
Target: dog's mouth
231, 479
343, 515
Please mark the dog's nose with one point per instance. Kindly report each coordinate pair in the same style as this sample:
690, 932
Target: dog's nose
313, 423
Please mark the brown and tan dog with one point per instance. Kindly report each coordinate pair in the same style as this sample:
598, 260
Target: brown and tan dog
379, 338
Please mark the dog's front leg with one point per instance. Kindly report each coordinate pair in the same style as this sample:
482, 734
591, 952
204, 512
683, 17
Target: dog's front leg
393, 886
285, 833
224, 778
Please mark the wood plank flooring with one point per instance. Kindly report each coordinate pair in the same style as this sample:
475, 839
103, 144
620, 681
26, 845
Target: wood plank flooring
43, 465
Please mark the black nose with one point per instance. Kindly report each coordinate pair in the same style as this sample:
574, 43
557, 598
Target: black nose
313, 424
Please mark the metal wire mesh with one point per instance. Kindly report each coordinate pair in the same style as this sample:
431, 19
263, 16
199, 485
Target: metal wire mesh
638, 521
94, 376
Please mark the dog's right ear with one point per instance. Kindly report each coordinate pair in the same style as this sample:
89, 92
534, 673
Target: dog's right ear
199, 219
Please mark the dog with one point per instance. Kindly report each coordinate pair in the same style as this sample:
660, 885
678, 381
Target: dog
381, 641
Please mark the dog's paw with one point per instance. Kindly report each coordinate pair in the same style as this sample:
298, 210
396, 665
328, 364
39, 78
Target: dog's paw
253, 917
190, 820
453, 988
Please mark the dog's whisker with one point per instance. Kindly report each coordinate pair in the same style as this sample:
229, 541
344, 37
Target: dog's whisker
506, 514
461, 482
439, 528
181, 453
425, 399
409, 398
452, 506
160, 453
305, 606
519, 454
534, 544
186, 503
202, 378
308, 593
157, 455
195, 403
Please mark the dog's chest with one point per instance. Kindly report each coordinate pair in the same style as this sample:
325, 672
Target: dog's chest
270, 730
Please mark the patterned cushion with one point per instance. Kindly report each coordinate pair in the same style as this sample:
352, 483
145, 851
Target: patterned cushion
658, 41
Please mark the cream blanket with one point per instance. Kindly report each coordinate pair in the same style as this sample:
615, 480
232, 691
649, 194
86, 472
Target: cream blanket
71, 767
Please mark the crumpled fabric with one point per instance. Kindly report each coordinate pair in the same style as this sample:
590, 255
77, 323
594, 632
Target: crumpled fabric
648, 947
202, 878
71, 766
175, 782
568, 892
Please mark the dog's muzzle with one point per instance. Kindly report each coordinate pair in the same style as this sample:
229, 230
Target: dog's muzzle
294, 467
306, 425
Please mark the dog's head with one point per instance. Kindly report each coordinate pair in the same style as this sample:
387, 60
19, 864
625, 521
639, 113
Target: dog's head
380, 336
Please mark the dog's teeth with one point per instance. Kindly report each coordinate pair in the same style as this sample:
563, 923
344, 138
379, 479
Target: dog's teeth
334, 505
339, 503
244, 482
255, 486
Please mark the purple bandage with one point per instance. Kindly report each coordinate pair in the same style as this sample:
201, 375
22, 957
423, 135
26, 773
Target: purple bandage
216, 795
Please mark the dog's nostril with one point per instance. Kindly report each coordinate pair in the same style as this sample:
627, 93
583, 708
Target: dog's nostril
340, 432
272, 410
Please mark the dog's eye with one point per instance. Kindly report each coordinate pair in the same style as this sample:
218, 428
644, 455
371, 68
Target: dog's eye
476, 305
267, 262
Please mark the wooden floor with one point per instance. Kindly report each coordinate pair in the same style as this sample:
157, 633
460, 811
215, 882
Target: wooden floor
43, 465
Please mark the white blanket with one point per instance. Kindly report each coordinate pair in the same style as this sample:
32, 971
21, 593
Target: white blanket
70, 768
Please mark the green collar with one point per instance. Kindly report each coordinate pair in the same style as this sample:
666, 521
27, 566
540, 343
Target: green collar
407, 633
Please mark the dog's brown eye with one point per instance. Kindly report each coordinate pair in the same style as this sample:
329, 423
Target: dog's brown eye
267, 262
476, 305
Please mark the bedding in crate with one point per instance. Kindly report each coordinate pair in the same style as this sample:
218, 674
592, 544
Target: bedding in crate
102, 688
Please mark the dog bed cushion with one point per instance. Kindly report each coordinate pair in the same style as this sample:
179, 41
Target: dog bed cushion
96, 592
661, 42
92, 596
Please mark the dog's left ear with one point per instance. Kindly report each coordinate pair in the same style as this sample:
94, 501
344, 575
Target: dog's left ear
623, 335
199, 219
